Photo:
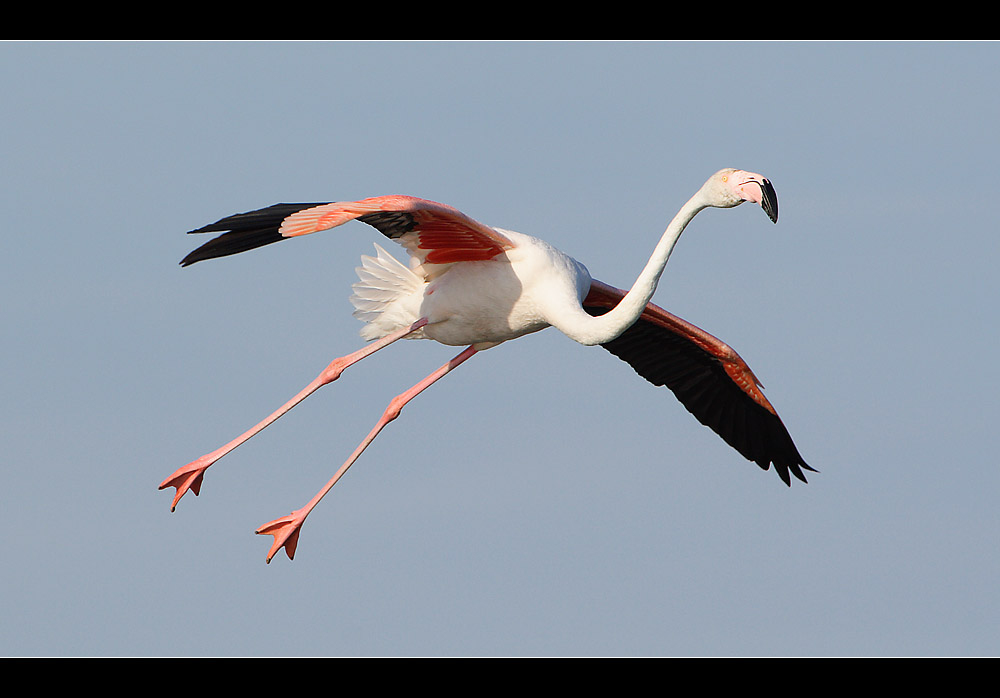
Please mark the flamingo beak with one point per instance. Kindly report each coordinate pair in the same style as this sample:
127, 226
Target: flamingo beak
758, 190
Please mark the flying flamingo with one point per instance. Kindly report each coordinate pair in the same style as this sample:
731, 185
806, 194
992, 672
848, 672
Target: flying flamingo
476, 286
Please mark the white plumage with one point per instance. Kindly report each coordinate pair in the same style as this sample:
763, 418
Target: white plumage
386, 295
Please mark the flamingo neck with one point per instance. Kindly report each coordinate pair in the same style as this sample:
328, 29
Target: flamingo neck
604, 328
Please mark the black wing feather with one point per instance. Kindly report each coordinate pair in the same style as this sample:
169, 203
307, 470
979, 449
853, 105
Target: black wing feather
701, 383
246, 231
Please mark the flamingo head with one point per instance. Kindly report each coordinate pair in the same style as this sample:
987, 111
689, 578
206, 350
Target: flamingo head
730, 187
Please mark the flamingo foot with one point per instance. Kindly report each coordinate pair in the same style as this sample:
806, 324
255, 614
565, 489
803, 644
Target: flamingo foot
187, 478
286, 533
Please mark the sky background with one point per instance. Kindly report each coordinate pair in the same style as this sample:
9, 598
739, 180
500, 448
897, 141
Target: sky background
542, 499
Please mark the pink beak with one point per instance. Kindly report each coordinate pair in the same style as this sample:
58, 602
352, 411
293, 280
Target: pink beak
757, 189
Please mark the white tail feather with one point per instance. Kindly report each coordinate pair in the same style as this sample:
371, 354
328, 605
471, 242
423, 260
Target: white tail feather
386, 296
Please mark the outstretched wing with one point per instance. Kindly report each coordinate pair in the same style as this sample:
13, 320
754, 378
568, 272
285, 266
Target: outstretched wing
432, 232
708, 377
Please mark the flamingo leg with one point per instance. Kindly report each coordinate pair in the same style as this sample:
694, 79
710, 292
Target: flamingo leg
189, 477
286, 529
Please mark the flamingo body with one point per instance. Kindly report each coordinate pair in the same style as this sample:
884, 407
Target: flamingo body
468, 284
497, 283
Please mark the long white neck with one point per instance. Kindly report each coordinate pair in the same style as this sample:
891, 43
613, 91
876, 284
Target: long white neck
601, 329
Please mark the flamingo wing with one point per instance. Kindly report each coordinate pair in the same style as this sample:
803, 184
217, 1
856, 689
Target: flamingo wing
434, 233
708, 377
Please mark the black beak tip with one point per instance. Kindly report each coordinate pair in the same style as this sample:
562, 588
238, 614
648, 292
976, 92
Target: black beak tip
770, 201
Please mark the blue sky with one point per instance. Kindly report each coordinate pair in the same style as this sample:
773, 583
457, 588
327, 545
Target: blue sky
541, 500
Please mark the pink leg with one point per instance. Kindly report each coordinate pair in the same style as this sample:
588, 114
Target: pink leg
190, 476
286, 529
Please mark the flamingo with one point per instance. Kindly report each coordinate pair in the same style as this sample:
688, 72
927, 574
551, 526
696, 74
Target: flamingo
472, 285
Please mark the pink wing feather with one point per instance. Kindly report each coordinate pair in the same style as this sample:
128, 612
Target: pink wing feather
435, 233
